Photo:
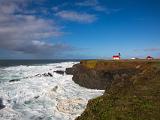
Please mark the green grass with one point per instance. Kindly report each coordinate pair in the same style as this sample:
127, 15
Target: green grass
136, 98
89, 64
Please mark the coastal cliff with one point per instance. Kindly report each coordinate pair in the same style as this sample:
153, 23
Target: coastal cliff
132, 89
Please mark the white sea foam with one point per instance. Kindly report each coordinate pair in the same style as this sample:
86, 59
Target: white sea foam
47, 98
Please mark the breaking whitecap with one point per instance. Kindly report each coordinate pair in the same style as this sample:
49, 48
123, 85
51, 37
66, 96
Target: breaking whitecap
34, 97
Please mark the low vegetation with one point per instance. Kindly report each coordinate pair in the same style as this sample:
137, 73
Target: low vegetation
133, 92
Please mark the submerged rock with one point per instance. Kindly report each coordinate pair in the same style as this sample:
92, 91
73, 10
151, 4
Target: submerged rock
1, 104
60, 72
37, 118
55, 88
47, 75
36, 97
38, 75
14, 80
50, 74
44, 74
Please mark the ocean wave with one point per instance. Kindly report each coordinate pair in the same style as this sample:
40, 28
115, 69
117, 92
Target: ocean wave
33, 97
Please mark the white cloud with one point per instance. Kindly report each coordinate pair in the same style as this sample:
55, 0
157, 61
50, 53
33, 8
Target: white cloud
88, 3
94, 4
76, 16
26, 33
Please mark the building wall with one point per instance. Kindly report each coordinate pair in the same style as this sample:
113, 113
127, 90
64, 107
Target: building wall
116, 58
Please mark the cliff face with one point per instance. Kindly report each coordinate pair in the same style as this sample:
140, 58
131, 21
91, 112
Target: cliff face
132, 89
100, 74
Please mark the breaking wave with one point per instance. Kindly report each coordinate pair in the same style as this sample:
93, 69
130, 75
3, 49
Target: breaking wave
26, 94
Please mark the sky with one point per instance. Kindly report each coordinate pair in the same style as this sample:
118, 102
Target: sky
79, 29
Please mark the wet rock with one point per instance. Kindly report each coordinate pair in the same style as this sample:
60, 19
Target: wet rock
36, 97
37, 118
55, 88
76, 69
38, 75
47, 75
14, 80
40, 118
50, 74
27, 102
60, 72
69, 71
1, 104
9, 101
59, 67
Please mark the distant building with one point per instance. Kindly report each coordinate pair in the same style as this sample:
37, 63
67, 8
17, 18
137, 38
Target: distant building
116, 57
134, 58
149, 58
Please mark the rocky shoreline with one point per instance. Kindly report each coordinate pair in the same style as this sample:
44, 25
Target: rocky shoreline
102, 74
132, 89
42, 92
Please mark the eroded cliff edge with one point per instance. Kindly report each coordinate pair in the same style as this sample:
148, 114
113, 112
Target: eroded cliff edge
132, 89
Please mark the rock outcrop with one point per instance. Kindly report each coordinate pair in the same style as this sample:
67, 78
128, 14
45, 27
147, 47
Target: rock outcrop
132, 89
61, 72
101, 76
14, 80
1, 104
47, 74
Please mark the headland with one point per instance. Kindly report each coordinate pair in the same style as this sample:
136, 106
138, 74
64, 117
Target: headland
132, 88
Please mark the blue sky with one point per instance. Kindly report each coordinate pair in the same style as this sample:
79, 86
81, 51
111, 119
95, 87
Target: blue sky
56, 29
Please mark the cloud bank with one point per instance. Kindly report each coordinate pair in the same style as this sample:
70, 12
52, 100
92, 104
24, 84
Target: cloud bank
94, 4
26, 33
28, 27
76, 16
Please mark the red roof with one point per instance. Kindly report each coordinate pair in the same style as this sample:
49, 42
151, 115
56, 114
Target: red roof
116, 56
149, 58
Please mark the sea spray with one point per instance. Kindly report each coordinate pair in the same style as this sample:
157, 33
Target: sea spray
54, 97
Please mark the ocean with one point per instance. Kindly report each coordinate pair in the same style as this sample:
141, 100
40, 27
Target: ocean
33, 90
5, 63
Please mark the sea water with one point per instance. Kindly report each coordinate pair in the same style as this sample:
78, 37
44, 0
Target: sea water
41, 97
